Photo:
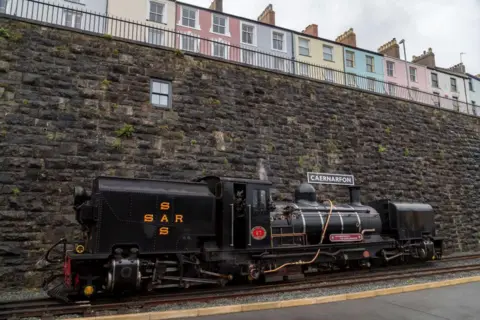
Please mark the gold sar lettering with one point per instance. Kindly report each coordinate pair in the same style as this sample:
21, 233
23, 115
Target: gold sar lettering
163, 231
148, 218
164, 218
179, 218
165, 206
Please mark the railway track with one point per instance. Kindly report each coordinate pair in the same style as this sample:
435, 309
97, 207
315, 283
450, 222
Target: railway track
45, 307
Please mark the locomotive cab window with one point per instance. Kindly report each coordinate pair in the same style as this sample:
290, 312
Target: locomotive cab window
259, 201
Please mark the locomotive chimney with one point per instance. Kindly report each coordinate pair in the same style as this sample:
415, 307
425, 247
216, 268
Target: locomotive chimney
354, 195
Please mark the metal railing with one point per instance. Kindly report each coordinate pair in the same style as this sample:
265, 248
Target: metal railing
152, 34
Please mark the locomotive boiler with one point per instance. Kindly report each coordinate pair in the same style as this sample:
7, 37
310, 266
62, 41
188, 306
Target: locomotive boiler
142, 235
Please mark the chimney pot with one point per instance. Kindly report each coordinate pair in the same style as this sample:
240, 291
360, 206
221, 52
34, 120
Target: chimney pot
311, 30
216, 5
348, 37
390, 49
268, 15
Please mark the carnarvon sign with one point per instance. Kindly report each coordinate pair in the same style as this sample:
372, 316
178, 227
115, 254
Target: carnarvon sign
330, 178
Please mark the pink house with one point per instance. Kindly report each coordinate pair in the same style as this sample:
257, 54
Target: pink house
195, 23
396, 73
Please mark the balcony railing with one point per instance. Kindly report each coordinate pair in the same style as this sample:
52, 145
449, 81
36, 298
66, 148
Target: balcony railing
151, 33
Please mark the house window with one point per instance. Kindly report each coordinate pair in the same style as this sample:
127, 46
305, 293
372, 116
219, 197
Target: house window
156, 36
161, 93
73, 19
248, 34
436, 99
371, 84
3, 6
277, 39
219, 24
327, 53
188, 43
391, 88
303, 47
370, 64
303, 69
470, 84
328, 74
350, 58
248, 57
390, 68
189, 17
453, 84
413, 74
279, 64
156, 11
434, 80
219, 50
351, 80
455, 103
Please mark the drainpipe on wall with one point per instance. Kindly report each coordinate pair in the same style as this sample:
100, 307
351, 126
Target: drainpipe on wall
175, 26
466, 97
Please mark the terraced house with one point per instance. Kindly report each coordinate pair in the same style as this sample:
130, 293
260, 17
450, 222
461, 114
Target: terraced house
67, 13
399, 73
153, 20
312, 52
364, 68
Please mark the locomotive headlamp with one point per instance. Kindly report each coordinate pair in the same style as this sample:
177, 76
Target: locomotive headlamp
88, 291
79, 248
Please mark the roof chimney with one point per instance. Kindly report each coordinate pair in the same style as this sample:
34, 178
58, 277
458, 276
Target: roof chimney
427, 58
217, 5
311, 30
460, 68
348, 37
268, 15
391, 49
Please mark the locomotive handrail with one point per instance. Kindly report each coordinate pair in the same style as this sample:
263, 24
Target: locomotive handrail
232, 225
62, 240
249, 224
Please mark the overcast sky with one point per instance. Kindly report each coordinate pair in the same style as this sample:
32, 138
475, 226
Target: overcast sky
448, 27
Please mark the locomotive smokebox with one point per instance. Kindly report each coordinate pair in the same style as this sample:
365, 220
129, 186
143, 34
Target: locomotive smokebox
354, 195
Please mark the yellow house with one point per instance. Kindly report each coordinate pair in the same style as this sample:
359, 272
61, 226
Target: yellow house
149, 20
316, 58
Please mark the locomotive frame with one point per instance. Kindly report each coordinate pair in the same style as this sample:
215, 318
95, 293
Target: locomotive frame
141, 235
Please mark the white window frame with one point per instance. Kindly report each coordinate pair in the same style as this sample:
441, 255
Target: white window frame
227, 24
74, 18
323, 52
303, 69
350, 77
226, 44
254, 37
196, 41
284, 68
414, 74
393, 68
197, 18
169, 94
164, 14
373, 80
391, 88
431, 80
253, 53
373, 63
162, 40
284, 40
456, 86
300, 46
353, 58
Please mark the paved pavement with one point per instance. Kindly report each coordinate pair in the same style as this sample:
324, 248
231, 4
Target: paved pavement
461, 302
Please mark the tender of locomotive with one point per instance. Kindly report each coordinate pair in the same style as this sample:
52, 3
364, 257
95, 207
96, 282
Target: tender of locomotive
150, 234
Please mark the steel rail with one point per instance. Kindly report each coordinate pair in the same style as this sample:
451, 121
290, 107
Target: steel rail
46, 307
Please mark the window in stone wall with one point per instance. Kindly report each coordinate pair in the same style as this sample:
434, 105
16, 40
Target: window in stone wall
3, 6
161, 93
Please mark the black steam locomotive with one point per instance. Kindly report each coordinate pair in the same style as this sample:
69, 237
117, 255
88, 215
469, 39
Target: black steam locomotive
143, 234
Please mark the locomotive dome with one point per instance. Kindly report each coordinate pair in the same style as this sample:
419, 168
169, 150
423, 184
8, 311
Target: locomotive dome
305, 191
